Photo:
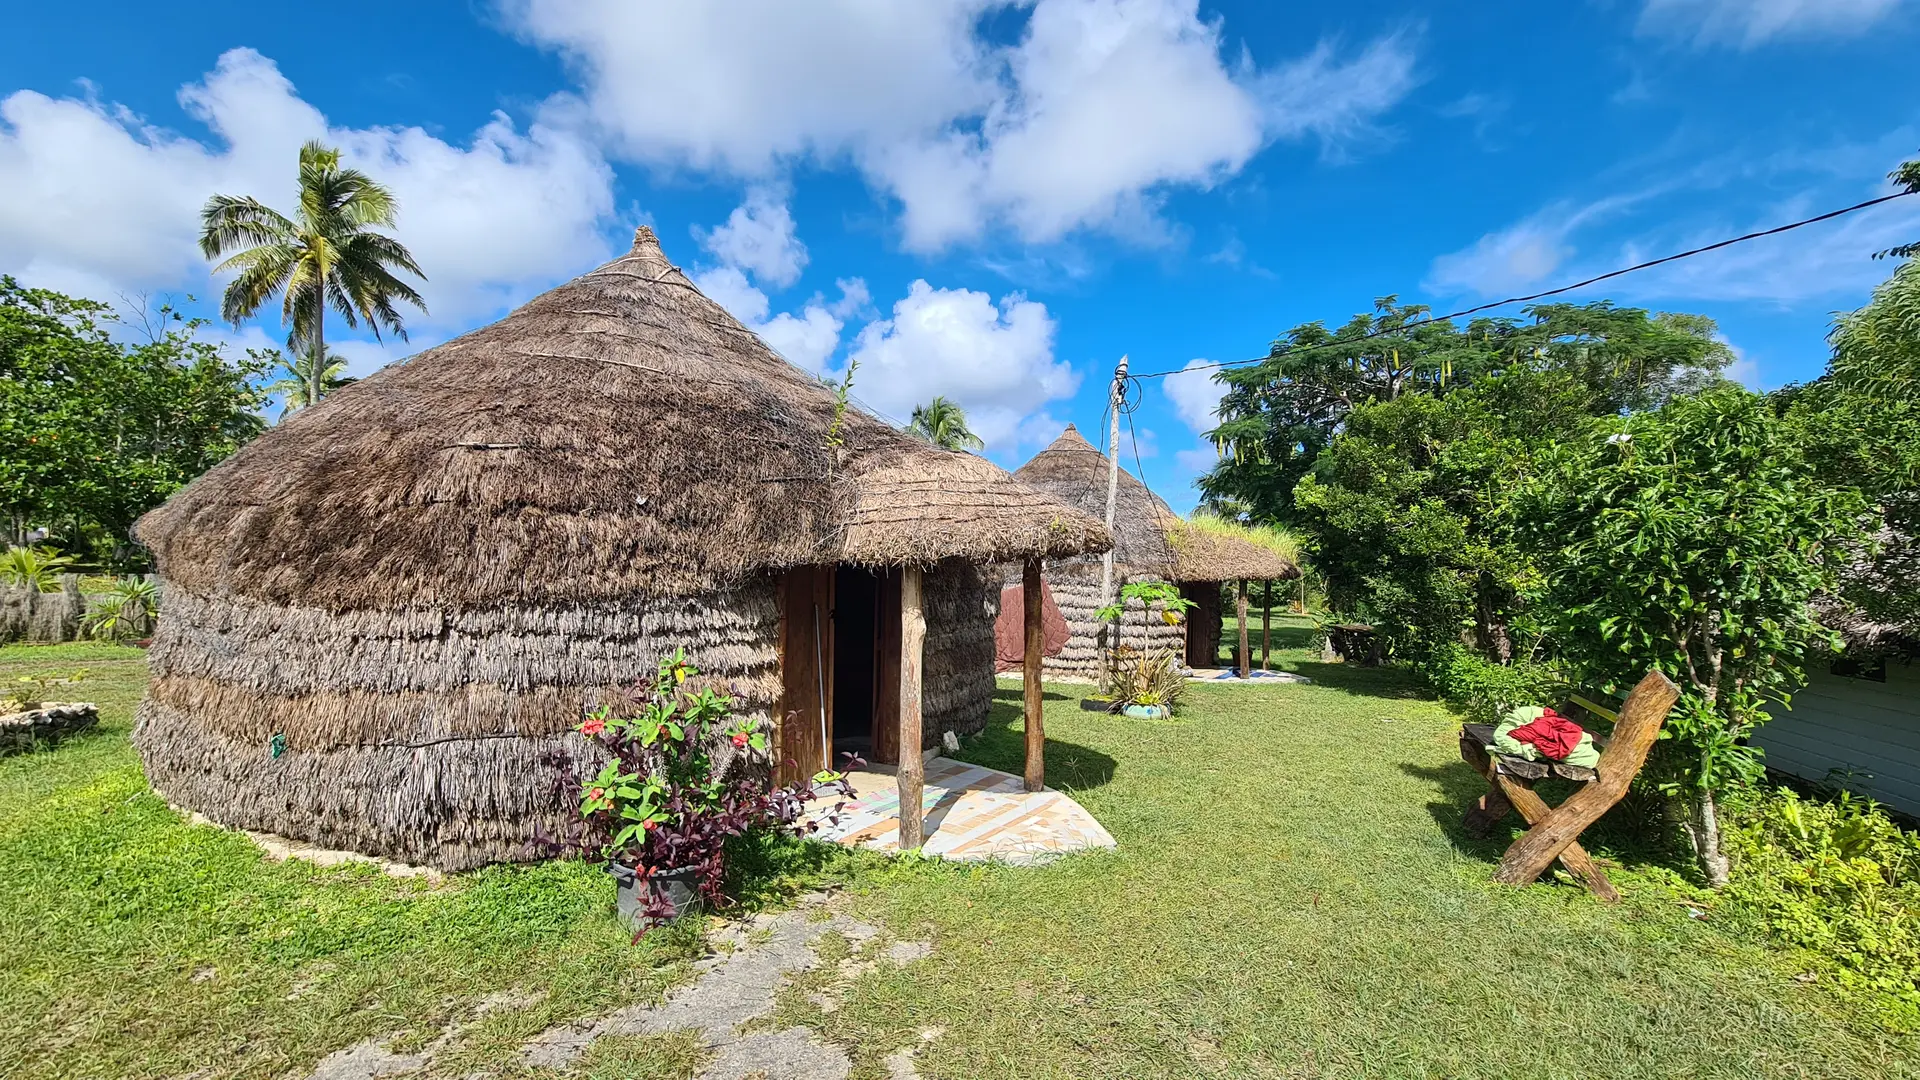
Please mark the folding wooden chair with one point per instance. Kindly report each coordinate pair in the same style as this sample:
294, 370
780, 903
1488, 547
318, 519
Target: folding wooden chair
1554, 832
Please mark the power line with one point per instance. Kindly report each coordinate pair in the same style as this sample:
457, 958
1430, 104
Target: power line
1828, 216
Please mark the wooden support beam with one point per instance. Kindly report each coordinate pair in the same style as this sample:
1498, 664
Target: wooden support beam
912, 772
1030, 586
1633, 736
1506, 793
1266, 625
1246, 670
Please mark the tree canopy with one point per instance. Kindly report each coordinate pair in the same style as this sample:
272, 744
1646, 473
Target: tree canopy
944, 424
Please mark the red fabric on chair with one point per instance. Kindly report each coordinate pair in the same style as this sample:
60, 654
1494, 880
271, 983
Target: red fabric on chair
1553, 735
1010, 633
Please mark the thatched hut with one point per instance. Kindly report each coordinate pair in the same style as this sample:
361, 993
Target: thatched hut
1150, 542
385, 616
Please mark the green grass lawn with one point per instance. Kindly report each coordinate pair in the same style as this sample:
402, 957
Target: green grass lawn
1291, 897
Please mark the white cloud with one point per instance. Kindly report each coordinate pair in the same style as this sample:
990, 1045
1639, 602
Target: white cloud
1097, 109
809, 339
996, 361
1523, 254
100, 201
1748, 23
1138, 444
1195, 395
1193, 464
759, 237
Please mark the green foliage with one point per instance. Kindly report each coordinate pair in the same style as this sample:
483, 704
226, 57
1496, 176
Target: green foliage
1689, 540
327, 254
126, 609
1148, 593
94, 432
842, 395
28, 691
1278, 417
944, 424
35, 567
1154, 677
1484, 689
1837, 877
1906, 176
296, 387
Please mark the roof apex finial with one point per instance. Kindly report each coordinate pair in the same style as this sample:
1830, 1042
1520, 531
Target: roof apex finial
644, 239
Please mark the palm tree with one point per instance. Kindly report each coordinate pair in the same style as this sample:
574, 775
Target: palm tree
943, 424
326, 255
297, 387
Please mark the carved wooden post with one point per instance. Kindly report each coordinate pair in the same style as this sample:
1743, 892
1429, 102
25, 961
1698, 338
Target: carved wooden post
1633, 735
1030, 587
1245, 661
912, 772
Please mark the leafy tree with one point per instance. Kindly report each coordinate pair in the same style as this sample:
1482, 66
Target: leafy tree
1908, 177
326, 255
1690, 539
93, 432
944, 424
1279, 416
296, 386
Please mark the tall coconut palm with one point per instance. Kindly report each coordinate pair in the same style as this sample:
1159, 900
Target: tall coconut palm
944, 424
326, 255
297, 388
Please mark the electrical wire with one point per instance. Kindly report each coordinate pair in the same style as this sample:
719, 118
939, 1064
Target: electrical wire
1776, 230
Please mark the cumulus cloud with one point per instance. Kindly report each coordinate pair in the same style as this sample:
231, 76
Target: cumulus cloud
808, 339
759, 237
1195, 395
100, 201
1085, 121
1748, 23
995, 360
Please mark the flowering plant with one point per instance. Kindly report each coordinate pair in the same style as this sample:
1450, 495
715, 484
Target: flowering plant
683, 776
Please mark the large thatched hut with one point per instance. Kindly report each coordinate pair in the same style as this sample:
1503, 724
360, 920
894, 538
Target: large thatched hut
1150, 542
385, 616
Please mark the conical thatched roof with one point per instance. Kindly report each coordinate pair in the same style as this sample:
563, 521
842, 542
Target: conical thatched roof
621, 434
1148, 537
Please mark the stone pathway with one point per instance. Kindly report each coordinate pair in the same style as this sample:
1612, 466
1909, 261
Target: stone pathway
732, 988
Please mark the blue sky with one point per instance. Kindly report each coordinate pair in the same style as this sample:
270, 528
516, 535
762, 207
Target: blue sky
995, 201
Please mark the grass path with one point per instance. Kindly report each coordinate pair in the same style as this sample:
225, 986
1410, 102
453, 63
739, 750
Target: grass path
1291, 898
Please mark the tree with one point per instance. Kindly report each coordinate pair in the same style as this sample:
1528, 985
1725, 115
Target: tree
944, 424
1690, 539
1279, 416
297, 386
1906, 176
326, 255
93, 432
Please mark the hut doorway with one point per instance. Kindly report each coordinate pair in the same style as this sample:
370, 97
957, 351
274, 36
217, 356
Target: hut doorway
840, 668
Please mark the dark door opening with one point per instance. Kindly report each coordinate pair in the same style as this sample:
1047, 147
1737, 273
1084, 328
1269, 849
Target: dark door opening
856, 637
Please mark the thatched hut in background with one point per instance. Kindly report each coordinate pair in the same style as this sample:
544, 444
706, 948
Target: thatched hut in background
1150, 542
385, 616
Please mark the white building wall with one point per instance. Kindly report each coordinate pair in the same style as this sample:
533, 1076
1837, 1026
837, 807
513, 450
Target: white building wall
1869, 728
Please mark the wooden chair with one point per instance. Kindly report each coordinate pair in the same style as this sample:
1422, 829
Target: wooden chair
1553, 832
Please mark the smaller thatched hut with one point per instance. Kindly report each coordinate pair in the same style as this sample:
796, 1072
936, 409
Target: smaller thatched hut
1150, 542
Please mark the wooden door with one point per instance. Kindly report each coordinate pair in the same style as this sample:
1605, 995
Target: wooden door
806, 672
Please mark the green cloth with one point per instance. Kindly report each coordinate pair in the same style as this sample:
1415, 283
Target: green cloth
1585, 753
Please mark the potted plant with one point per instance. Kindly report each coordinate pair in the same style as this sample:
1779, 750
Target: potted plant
684, 775
1144, 686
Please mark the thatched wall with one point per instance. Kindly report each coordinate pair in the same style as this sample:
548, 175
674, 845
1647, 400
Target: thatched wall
957, 678
27, 614
429, 737
1076, 589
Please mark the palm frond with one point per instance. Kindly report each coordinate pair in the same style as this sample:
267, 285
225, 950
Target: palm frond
239, 221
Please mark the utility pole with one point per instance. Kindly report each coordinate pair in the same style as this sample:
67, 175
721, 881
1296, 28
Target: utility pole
1117, 398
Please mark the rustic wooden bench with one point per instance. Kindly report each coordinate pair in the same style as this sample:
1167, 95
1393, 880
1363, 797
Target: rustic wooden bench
1554, 832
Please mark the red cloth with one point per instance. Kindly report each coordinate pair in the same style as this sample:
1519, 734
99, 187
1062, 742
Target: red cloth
1553, 735
1010, 630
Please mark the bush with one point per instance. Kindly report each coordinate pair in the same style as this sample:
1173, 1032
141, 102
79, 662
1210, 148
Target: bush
1155, 677
1836, 877
1483, 689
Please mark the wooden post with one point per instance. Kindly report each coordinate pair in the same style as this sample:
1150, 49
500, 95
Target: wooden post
1633, 736
1030, 587
1266, 624
1241, 607
912, 771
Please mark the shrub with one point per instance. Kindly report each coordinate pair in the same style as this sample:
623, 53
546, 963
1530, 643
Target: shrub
125, 609
37, 567
685, 776
1837, 877
1483, 689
